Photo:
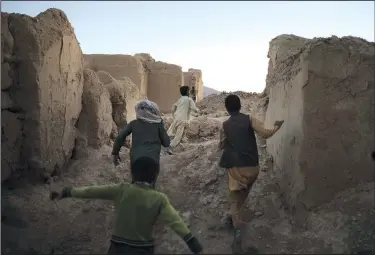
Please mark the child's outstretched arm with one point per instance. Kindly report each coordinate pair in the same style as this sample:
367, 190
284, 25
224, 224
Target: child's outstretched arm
105, 192
171, 217
119, 142
120, 139
259, 128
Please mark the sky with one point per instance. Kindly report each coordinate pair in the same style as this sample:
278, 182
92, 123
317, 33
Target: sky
228, 41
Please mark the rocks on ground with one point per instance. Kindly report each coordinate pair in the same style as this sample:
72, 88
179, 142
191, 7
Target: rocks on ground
307, 167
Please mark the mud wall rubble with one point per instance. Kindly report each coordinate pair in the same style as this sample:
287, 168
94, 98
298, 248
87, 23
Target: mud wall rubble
158, 81
51, 106
164, 84
193, 79
120, 66
324, 90
42, 82
95, 121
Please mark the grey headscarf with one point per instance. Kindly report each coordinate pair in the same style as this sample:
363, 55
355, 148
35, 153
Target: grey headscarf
148, 111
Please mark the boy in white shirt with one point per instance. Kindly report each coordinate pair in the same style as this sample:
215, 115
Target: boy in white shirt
182, 110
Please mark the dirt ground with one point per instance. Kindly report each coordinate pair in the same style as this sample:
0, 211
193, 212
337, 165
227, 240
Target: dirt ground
44, 78
197, 186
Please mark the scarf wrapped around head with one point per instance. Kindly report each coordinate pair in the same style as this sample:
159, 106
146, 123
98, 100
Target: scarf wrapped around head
148, 111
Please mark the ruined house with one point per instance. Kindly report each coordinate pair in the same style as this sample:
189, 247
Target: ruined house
157, 80
193, 79
319, 162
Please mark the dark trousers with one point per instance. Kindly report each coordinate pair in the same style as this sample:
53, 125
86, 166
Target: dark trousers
124, 249
156, 178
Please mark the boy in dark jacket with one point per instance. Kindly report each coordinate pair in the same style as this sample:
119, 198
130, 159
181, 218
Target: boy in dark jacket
240, 158
148, 134
137, 207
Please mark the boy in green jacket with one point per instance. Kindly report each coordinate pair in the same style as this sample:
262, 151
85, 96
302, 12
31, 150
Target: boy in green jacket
137, 207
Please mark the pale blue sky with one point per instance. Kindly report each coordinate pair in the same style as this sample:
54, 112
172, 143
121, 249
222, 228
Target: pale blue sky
228, 41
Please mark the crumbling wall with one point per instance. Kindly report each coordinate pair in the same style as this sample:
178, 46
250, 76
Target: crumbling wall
188, 80
324, 90
42, 67
157, 80
11, 125
95, 120
146, 59
120, 66
193, 78
124, 95
164, 83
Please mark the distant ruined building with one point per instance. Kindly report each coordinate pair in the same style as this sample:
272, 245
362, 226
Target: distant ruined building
158, 81
86, 99
193, 79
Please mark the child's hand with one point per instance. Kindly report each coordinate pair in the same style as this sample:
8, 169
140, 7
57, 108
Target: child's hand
194, 246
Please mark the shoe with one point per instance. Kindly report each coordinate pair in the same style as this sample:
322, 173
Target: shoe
237, 242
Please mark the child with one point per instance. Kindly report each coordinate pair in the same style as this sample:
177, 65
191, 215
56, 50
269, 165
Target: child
240, 158
182, 110
148, 134
137, 207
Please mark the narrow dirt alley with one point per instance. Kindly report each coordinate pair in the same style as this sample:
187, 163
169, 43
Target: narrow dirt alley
62, 109
195, 185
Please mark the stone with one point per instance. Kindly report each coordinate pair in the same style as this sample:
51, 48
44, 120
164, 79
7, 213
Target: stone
187, 216
258, 214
